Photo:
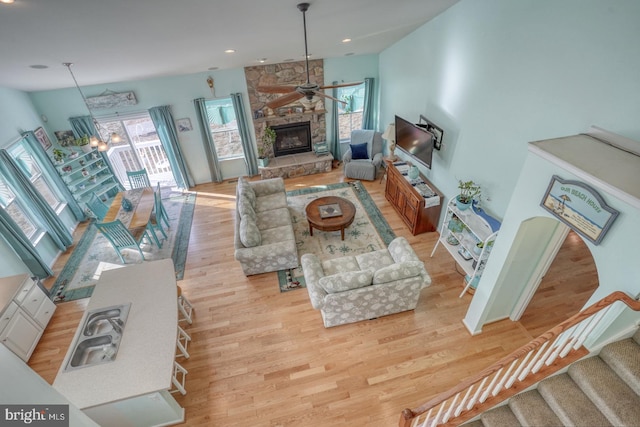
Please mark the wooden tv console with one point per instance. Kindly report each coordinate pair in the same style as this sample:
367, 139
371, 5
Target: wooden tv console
409, 204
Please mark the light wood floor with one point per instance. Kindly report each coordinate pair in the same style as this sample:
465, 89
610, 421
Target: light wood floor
262, 358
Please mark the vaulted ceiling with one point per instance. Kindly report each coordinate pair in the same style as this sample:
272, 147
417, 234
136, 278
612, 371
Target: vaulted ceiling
122, 40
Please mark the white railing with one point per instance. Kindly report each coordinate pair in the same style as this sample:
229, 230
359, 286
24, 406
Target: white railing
149, 155
531, 363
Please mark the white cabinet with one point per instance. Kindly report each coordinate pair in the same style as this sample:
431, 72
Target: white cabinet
468, 235
26, 311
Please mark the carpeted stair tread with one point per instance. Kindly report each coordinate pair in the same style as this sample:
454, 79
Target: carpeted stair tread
624, 358
500, 417
569, 403
532, 410
613, 397
476, 423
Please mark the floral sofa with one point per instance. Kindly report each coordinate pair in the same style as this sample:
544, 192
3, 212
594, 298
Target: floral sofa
264, 239
366, 286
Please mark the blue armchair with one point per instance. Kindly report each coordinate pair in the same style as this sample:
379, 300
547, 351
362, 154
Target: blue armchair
361, 164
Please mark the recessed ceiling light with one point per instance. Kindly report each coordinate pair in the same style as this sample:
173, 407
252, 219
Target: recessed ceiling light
346, 40
262, 60
212, 68
230, 51
6, 1
36, 66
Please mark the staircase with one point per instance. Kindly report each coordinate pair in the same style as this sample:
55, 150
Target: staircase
602, 390
552, 380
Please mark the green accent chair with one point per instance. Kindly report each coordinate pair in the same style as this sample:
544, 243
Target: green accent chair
121, 238
138, 179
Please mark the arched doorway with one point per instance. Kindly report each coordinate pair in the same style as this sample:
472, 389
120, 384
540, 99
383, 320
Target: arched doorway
564, 290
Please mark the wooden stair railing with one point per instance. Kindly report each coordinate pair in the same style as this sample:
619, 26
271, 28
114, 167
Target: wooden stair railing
549, 353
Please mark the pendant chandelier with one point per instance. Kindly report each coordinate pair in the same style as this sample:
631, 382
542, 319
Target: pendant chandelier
99, 141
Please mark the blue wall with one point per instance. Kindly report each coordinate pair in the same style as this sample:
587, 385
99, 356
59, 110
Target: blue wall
496, 74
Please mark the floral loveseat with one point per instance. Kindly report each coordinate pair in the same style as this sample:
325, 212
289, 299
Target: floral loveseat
264, 239
366, 286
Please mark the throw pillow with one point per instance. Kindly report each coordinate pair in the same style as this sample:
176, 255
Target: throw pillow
345, 281
396, 272
359, 151
249, 233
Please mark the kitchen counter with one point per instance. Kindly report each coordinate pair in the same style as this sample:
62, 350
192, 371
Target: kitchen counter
143, 366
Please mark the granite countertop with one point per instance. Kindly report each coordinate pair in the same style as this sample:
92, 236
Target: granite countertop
144, 363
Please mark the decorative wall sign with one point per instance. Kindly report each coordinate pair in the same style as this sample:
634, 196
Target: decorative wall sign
109, 99
184, 125
42, 137
580, 207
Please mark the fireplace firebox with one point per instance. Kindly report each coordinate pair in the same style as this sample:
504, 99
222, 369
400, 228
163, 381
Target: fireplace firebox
292, 138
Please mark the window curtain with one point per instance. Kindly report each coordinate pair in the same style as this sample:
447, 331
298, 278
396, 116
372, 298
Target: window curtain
21, 245
52, 176
333, 135
163, 121
367, 110
209, 146
250, 157
34, 202
83, 125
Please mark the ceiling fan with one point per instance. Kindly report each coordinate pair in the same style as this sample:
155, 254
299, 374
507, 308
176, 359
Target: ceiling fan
306, 90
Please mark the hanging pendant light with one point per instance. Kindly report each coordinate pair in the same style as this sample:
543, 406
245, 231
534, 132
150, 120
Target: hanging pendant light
94, 141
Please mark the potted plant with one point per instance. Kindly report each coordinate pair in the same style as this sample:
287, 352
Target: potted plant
468, 190
268, 139
59, 155
83, 143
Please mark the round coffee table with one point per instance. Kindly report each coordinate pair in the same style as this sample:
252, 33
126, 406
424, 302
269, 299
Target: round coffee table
324, 215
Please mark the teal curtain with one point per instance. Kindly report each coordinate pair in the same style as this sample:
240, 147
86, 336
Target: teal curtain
83, 125
34, 202
250, 157
13, 235
367, 110
163, 121
333, 135
35, 149
209, 146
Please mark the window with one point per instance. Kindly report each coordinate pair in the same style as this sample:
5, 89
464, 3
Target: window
140, 147
13, 207
30, 168
224, 129
350, 115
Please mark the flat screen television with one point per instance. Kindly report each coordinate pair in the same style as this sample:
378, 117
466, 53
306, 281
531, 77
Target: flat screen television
415, 141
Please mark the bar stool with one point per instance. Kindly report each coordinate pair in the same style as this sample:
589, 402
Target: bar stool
184, 308
182, 343
178, 379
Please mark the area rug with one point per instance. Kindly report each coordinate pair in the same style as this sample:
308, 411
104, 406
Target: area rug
368, 232
94, 254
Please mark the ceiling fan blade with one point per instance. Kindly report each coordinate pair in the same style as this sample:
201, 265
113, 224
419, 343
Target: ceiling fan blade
284, 100
276, 89
341, 85
330, 97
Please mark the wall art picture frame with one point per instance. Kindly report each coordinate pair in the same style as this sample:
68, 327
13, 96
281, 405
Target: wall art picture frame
65, 138
580, 207
184, 125
42, 137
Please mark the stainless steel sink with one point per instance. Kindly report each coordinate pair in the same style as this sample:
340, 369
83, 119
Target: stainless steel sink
100, 338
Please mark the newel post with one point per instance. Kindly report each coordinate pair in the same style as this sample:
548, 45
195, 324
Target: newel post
406, 417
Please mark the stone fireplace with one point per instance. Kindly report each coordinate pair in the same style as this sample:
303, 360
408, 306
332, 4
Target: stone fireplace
292, 138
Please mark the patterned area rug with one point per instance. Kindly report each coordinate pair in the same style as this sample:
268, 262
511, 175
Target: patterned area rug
368, 232
94, 254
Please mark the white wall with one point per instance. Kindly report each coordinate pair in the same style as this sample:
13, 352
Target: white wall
496, 74
615, 257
